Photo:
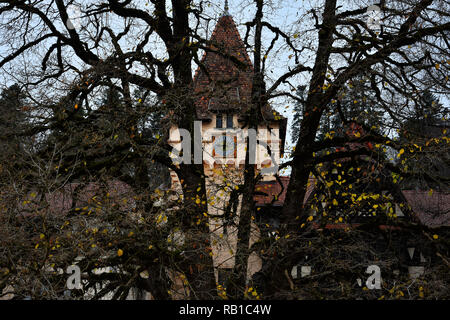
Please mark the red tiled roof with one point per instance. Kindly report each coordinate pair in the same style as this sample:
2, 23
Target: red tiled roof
220, 89
432, 209
77, 195
228, 86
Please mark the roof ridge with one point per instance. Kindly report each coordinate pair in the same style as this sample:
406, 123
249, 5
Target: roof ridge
226, 8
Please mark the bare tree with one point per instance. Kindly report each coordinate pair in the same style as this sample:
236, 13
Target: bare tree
145, 52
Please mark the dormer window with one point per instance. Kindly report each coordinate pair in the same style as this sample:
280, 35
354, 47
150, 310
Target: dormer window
219, 121
229, 121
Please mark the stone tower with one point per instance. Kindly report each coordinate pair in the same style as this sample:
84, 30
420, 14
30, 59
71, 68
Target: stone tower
223, 86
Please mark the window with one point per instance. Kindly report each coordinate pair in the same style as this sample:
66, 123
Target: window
229, 121
219, 120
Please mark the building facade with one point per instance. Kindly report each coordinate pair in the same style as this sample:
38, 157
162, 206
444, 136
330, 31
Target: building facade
223, 89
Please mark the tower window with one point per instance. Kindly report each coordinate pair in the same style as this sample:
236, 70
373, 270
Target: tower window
219, 121
229, 121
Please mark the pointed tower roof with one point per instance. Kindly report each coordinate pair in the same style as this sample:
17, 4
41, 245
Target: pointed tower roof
227, 39
224, 85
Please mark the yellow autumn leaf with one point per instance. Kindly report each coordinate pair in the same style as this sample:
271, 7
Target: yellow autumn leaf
120, 252
335, 202
400, 153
